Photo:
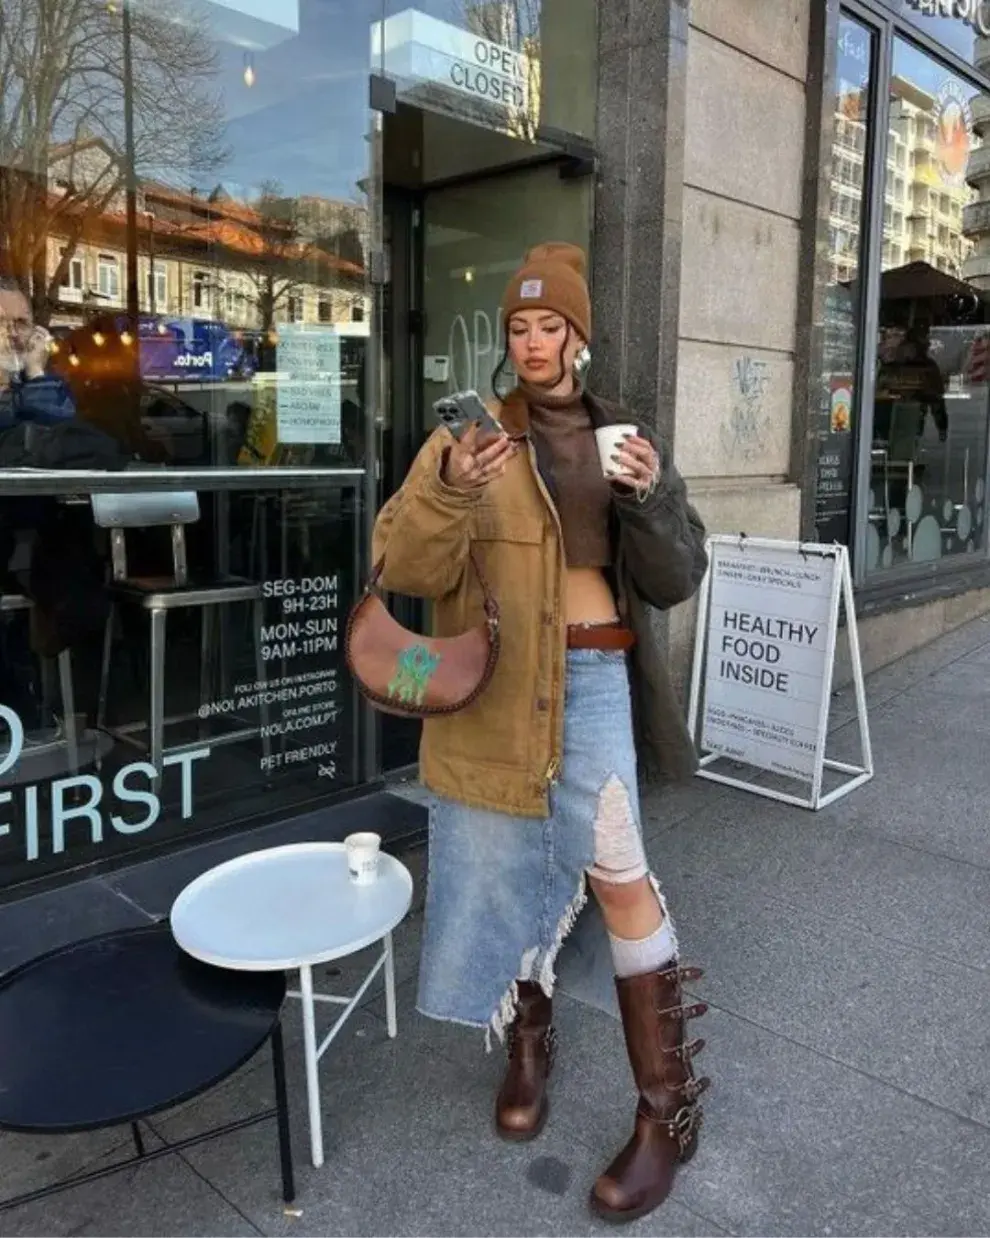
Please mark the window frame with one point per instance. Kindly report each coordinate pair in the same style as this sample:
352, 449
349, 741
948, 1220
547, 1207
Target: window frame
108, 262
160, 275
199, 290
76, 263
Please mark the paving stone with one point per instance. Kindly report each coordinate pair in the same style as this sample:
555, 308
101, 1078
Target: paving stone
164, 1197
42, 922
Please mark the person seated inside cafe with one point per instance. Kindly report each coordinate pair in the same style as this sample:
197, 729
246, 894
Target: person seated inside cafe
28, 390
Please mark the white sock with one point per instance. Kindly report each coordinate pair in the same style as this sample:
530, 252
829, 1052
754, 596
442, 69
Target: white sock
653, 953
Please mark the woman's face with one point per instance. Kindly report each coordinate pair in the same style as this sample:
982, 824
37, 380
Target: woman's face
535, 339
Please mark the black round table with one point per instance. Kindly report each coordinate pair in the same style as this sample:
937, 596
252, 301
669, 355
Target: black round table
118, 1027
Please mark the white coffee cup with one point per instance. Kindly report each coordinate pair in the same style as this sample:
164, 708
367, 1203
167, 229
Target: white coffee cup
363, 851
610, 439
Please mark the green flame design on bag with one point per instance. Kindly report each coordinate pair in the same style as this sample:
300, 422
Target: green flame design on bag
416, 667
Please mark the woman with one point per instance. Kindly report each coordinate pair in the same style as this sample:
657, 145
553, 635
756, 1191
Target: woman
536, 783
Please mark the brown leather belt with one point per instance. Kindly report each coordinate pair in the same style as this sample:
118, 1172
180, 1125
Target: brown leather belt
608, 637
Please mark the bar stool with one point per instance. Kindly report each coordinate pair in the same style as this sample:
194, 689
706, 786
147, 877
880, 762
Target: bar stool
158, 596
13, 603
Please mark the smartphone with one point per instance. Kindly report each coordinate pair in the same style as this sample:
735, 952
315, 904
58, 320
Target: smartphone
464, 409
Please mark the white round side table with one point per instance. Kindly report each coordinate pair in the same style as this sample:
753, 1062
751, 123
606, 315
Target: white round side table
290, 908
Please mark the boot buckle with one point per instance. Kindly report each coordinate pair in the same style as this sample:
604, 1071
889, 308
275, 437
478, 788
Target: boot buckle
685, 1125
512, 1039
675, 1013
685, 1051
694, 1088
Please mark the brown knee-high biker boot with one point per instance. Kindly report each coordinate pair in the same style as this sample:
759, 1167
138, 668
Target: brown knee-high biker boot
668, 1116
521, 1109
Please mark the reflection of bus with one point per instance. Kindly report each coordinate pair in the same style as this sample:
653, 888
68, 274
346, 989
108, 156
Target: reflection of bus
192, 349
169, 349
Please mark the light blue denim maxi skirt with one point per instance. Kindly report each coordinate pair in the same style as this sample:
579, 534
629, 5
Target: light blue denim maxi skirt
505, 892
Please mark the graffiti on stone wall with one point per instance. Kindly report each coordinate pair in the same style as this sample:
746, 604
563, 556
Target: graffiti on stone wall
745, 432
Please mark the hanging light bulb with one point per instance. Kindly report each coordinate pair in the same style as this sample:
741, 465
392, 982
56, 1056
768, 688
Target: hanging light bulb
73, 359
126, 338
162, 329
99, 339
249, 74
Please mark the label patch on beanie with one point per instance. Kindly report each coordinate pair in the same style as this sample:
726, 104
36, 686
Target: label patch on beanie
531, 289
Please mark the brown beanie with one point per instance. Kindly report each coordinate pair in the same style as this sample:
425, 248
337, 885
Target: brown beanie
552, 277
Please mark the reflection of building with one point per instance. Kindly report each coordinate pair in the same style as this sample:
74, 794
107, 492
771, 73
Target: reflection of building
848, 161
976, 216
204, 256
924, 222
923, 200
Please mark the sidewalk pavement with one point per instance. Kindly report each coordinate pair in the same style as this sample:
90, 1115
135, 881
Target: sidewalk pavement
848, 971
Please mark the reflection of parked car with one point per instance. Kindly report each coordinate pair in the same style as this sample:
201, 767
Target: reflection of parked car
180, 429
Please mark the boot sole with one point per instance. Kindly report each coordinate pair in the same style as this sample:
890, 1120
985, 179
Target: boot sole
513, 1136
604, 1213
613, 1217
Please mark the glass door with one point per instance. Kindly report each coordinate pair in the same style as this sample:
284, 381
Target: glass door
475, 236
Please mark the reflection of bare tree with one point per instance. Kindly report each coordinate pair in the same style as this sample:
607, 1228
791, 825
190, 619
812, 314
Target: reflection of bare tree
285, 253
515, 24
62, 140
274, 268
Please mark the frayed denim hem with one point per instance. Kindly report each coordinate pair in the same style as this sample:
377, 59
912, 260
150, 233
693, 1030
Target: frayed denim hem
545, 976
449, 1018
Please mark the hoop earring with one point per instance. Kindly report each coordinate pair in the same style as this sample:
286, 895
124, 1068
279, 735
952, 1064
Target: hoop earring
582, 364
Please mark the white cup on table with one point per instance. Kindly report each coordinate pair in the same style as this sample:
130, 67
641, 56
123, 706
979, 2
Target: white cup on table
363, 850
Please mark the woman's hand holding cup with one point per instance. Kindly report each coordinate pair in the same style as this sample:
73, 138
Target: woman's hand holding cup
628, 460
472, 464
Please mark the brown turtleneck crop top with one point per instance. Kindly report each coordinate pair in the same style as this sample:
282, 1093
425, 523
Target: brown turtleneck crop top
562, 427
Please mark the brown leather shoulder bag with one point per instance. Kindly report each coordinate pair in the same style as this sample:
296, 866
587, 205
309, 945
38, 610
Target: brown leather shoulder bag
413, 676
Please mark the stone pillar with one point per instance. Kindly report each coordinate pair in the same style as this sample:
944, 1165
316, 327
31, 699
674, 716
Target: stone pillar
636, 263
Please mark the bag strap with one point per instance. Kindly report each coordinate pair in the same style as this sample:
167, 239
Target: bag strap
492, 611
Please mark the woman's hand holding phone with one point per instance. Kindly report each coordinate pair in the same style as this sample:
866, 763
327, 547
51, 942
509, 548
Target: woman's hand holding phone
476, 459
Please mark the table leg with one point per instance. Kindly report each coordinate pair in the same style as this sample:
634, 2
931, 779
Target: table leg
312, 1063
282, 1115
390, 987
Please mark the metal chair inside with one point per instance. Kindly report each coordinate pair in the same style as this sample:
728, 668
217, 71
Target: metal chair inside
159, 595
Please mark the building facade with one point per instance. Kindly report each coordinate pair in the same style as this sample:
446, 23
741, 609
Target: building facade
831, 324
278, 232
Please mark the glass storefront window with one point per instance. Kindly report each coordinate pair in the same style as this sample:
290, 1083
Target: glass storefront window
188, 203
847, 211
928, 450
208, 243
